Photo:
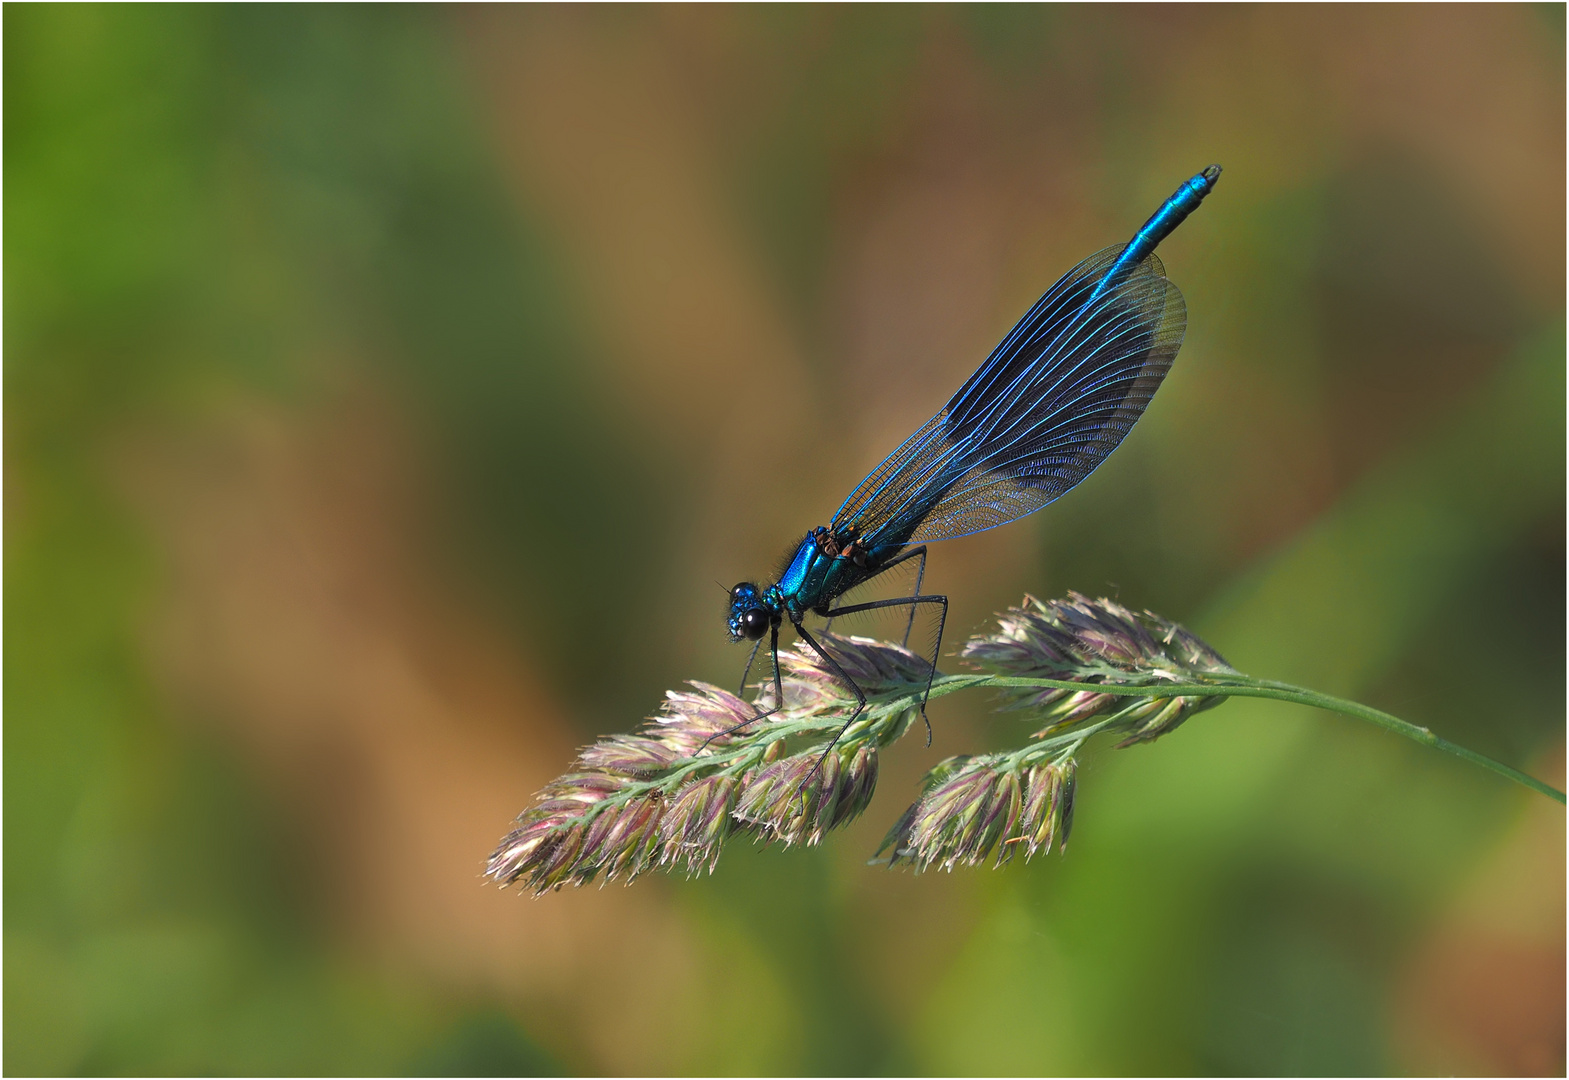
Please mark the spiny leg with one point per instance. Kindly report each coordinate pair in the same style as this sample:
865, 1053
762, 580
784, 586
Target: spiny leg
860, 703
746, 672
942, 622
773, 646
920, 575
773, 650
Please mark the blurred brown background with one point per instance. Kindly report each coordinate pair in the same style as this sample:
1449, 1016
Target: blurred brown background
387, 390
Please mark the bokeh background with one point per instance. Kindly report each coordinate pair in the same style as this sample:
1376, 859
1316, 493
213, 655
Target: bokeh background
386, 391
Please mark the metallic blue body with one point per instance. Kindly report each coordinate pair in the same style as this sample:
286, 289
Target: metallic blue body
813, 577
1172, 213
1055, 397
803, 577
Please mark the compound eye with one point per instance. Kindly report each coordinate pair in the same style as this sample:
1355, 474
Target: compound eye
754, 624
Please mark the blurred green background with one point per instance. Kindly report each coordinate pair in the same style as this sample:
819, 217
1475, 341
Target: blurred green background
387, 390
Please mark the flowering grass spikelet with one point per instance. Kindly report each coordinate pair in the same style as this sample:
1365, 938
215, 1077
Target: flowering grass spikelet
709, 765
1098, 642
976, 806
706, 767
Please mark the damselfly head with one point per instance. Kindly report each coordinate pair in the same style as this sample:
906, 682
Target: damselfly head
749, 616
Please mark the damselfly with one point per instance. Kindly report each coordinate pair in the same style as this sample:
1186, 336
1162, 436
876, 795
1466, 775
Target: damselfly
1048, 405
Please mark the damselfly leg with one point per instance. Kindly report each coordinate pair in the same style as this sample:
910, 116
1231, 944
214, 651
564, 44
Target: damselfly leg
860, 695
773, 649
860, 703
746, 672
920, 575
912, 601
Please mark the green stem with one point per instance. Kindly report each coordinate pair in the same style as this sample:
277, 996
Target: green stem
1246, 686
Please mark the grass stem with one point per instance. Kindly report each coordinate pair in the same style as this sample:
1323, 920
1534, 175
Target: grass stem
1246, 686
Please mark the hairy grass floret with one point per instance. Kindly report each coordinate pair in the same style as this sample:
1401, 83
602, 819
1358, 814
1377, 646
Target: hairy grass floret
974, 806
1098, 642
707, 767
